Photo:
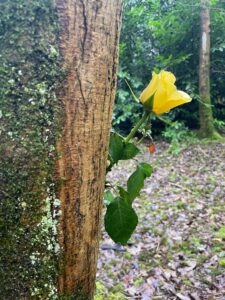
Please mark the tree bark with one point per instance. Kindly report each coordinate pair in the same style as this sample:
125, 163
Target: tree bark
89, 40
207, 129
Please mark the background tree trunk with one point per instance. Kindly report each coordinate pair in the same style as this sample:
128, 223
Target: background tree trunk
207, 128
89, 40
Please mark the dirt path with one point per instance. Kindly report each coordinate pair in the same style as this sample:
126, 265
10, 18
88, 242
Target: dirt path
178, 249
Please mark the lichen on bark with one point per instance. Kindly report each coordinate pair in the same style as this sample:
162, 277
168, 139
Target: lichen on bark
30, 71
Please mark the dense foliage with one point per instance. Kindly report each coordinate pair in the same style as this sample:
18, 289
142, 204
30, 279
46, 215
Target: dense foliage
29, 71
166, 35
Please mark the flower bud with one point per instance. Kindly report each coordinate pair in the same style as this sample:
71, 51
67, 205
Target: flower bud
161, 95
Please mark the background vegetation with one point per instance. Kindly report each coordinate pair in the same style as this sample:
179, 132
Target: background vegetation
166, 35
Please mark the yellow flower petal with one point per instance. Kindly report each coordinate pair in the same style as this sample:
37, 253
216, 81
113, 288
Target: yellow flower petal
176, 99
168, 80
166, 95
180, 95
151, 88
168, 77
160, 97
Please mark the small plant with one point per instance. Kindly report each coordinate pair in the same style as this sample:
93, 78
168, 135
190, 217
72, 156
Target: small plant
221, 233
103, 293
220, 125
179, 137
222, 262
159, 97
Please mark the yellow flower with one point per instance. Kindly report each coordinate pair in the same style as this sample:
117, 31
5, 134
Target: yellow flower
166, 95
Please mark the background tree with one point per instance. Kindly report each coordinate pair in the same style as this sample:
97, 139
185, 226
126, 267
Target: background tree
89, 39
207, 128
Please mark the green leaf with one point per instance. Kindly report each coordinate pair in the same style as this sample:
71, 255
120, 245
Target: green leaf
146, 169
108, 197
135, 183
129, 151
120, 221
221, 233
120, 150
124, 194
115, 147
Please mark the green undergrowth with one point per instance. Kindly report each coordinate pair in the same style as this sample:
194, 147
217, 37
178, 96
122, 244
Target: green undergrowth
103, 293
179, 136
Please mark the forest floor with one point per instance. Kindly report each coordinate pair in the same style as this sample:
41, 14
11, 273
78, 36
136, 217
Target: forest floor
178, 248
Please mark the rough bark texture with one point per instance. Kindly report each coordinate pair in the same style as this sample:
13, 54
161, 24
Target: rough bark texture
89, 40
205, 107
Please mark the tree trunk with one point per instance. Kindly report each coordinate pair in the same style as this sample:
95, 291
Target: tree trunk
207, 129
89, 40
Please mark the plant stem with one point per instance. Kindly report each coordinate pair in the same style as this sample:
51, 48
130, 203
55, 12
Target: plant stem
137, 126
